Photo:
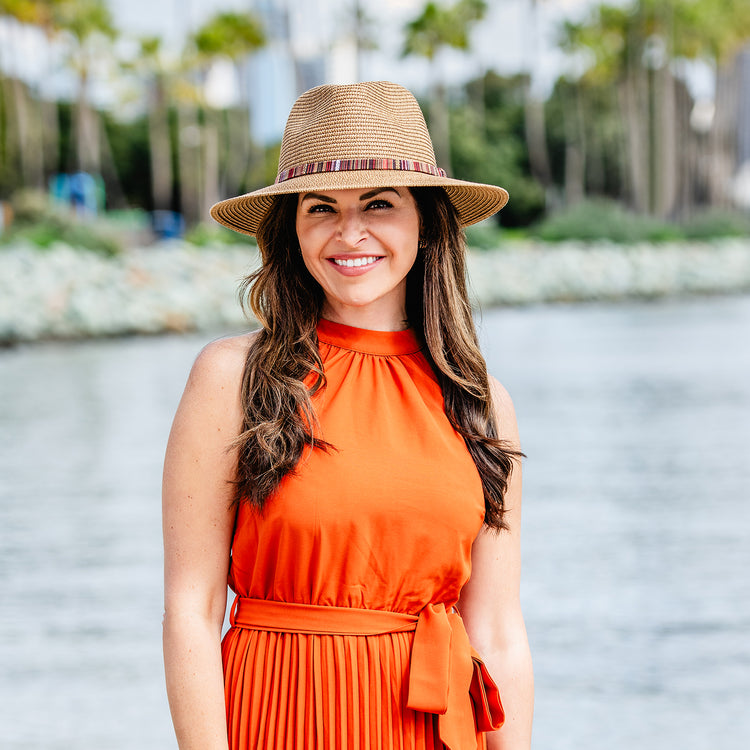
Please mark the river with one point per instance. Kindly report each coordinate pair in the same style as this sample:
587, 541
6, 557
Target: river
636, 422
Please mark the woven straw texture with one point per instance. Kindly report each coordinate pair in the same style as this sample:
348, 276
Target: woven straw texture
364, 121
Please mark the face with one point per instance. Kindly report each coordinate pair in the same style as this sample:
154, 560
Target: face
359, 246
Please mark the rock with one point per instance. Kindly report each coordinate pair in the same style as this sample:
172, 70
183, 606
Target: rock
63, 292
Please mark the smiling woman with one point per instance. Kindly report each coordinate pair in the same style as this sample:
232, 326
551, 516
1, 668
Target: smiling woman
360, 246
350, 468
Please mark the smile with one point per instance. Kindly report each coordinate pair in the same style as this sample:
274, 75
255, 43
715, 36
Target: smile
356, 262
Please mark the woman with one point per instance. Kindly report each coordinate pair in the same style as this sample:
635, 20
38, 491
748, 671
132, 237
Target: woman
350, 468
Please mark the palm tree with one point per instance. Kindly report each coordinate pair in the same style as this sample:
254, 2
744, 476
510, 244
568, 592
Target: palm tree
87, 22
32, 124
435, 29
536, 136
151, 65
632, 48
232, 36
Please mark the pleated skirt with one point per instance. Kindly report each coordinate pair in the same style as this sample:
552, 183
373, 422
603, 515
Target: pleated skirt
321, 692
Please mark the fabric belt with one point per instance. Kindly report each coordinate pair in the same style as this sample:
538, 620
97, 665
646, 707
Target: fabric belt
440, 670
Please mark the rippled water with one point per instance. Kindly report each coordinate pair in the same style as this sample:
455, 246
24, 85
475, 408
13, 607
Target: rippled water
636, 422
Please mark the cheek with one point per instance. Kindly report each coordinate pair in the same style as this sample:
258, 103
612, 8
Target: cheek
409, 245
306, 245
311, 261
311, 238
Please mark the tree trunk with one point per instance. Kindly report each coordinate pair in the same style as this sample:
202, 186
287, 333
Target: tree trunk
51, 137
29, 135
664, 160
440, 126
536, 137
210, 194
687, 144
631, 104
238, 149
723, 136
160, 149
114, 195
189, 158
9, 146
87, 132
533, 108
575, 148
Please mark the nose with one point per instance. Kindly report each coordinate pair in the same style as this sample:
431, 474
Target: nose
352, 228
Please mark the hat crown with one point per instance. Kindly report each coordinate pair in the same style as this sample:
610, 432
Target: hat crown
376, 119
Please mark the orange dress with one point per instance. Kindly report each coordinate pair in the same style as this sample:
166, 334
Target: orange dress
356, 549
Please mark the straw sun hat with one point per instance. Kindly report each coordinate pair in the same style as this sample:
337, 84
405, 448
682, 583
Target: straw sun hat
363, 135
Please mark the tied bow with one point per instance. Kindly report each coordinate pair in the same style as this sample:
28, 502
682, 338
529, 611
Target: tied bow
442, 674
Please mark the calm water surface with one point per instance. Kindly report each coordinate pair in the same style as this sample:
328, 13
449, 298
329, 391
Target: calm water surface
636, 422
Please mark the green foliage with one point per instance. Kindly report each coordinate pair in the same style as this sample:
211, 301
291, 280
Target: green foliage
151, 46
486, 235
604, 36
211, 235
39, 12
38, 221
587, 113
84, 18
130, 150
81, 18
10, 176
606, 220
717, 223
438, 26
263, 168
229, 34
488, 145
616, 36
602, 220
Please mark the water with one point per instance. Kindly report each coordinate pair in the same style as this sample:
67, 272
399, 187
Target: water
636, 422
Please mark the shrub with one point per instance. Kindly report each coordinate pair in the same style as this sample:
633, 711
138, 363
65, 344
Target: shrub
207, 235
717, 223
42, 223
486, 235
603, 220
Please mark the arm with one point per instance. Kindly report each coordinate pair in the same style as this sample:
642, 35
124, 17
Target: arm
198, 520
491, 607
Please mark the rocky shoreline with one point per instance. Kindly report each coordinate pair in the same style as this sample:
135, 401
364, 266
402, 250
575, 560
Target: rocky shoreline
62, 293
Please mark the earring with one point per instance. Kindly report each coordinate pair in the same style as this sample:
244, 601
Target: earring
422, 244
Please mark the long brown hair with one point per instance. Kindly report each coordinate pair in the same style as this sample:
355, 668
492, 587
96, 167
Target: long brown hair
279, 420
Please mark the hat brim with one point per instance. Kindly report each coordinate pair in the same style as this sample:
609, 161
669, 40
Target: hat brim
473, 201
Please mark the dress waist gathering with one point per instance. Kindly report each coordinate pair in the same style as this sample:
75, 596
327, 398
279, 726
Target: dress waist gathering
442, 659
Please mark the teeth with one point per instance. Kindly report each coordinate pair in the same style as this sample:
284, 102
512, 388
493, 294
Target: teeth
355, 262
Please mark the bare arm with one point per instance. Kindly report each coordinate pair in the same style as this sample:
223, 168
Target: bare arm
491, 607
198, 521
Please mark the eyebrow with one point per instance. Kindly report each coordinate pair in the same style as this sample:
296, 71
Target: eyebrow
373, 193
365, 196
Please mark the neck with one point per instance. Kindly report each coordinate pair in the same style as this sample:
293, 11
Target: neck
366, 317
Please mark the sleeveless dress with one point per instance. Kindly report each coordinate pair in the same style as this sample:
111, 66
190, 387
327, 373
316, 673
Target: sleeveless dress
360, 546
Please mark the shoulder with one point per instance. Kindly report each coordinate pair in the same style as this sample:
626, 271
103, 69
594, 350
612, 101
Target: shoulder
505, 412
212, 392
221, 363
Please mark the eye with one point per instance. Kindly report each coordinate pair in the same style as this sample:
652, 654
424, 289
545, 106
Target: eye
379, 203
320, 208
